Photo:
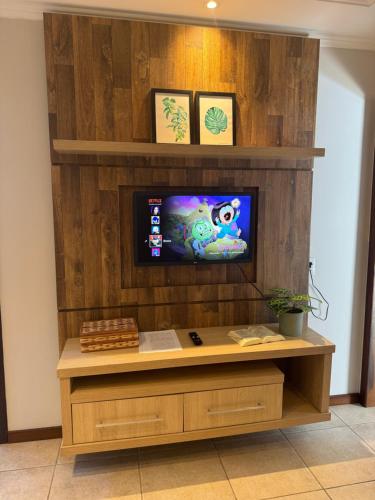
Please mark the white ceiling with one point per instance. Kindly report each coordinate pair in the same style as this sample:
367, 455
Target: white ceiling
337, 24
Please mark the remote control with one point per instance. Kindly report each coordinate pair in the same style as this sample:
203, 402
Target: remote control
195, 338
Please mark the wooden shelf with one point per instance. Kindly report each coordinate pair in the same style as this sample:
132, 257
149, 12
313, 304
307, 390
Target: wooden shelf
217, 348
108, 148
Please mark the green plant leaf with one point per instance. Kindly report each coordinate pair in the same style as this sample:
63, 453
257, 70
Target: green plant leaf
177, 116
283, 300
216, 120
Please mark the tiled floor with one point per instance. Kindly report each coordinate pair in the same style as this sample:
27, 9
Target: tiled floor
334, 460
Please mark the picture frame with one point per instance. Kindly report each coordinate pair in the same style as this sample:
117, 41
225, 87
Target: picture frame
172, 116
215, 114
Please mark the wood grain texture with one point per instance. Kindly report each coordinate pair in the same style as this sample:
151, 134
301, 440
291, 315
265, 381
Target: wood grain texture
312, 377
217, 348
116, 148
182, 314
296, 411
94, 252
235, 406
66, 411
56, 432
174, 381
110, 68
127, 418
99, 76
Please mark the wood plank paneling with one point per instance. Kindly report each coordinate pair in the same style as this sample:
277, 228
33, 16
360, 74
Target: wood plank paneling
164, 316
93, 211
84, 77
99, 76
272, 75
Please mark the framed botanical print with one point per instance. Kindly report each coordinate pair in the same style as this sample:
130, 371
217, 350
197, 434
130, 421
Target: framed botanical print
172, 116
216, 118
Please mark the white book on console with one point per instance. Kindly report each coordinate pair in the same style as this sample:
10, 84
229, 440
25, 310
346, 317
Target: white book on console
254, 334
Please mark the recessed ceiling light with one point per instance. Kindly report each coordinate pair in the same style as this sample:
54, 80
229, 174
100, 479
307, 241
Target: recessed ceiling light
212, 4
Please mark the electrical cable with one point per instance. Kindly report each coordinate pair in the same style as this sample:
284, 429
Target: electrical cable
316, 289
250, 282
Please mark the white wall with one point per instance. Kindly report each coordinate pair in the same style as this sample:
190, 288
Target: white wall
27, 269
341, 203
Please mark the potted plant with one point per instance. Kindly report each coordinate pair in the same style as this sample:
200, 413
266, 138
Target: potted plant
290, 307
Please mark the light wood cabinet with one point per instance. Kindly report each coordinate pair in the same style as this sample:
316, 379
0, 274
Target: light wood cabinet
240, 405
127, 418
125, 399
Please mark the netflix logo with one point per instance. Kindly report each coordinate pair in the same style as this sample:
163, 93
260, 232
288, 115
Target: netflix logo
154, 201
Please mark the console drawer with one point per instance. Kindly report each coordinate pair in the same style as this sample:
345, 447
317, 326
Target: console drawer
127, 418
240, 405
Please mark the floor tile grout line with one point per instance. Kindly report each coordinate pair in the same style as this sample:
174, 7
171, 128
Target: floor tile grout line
314, 430
372, 448
27, 468
280, 496
53, 473
305, 464
327, 490
139, 471
322, 487
50, 485
292, 494
327, 493
350, 484
224, 469
350, 425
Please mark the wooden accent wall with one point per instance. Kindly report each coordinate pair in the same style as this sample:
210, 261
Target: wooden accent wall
99, 74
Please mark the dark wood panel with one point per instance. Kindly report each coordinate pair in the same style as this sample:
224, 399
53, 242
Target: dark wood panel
93, 206
99, 76
165, 316
114, 64
199, 151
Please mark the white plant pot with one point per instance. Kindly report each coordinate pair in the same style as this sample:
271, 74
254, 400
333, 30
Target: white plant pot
291, 323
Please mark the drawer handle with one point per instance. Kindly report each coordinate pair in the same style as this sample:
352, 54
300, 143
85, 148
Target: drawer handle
118, 423
211, 412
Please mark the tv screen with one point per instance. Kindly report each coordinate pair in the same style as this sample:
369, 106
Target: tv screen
173, 228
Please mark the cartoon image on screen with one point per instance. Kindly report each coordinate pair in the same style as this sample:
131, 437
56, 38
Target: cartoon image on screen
207, 227
195, 228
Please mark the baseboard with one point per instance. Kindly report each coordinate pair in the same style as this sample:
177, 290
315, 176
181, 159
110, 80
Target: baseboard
34, 434
344, 399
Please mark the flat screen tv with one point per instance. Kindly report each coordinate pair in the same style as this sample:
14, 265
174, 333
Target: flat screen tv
194, 227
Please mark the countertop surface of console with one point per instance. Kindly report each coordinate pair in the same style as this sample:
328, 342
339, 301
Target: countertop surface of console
217, 348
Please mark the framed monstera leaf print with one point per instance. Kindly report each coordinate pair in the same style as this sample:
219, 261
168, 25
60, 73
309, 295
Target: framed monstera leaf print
216, 118
172, 116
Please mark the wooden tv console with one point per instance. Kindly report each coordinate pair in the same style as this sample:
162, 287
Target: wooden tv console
124, 399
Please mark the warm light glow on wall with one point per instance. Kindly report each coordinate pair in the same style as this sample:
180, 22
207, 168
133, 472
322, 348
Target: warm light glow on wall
212, 4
